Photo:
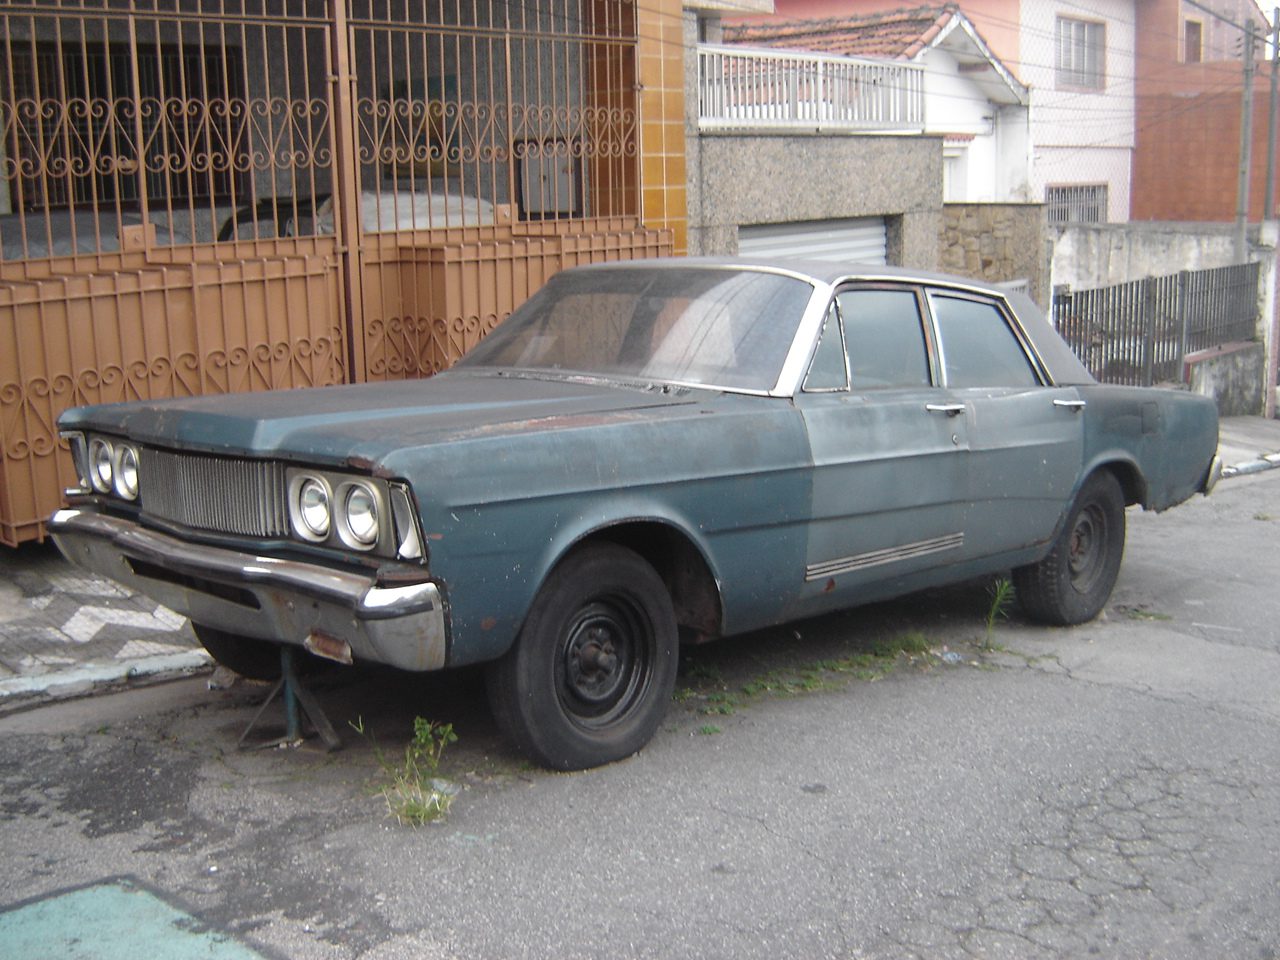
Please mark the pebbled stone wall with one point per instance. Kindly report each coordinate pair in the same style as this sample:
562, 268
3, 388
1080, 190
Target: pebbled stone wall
737, 180
998, 242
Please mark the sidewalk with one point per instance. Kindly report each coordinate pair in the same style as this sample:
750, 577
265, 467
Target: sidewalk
63, 632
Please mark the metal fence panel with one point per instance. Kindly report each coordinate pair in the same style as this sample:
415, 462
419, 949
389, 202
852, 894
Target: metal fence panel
1139, 333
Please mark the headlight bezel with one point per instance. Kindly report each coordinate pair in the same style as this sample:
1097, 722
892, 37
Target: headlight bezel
380, 533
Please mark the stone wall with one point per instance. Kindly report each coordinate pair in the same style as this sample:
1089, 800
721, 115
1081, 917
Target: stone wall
998, 242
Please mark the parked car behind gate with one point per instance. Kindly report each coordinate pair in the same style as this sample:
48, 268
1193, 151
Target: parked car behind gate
643, 455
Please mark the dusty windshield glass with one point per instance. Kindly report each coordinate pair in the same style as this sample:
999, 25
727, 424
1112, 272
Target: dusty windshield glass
708, 326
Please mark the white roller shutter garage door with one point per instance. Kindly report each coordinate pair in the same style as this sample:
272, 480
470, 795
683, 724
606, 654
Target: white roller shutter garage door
859, 240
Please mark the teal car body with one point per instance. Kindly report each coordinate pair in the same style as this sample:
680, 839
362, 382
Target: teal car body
786, 439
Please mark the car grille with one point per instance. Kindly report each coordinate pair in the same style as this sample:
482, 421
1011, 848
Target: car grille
227, 494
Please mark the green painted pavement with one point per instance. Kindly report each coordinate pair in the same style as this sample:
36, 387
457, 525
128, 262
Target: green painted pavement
110, 920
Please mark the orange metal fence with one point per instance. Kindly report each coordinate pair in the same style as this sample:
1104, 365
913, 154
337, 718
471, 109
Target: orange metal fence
207, 196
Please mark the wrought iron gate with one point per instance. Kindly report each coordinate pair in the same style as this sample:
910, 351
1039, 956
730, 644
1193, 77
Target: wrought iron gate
203, 196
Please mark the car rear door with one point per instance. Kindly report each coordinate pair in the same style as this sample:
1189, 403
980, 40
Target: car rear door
1025, 436
888, 451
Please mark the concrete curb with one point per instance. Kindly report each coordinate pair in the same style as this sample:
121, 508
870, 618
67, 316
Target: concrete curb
1268, 462
16, 692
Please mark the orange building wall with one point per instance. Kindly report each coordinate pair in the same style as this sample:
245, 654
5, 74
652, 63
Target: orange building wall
1187, 142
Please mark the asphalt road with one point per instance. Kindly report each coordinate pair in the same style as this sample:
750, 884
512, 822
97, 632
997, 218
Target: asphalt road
1109, 790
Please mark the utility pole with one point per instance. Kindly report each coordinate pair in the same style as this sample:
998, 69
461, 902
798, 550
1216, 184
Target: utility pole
1246, 145
1269, 205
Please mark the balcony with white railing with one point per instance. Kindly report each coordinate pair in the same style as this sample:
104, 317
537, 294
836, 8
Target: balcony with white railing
755, 88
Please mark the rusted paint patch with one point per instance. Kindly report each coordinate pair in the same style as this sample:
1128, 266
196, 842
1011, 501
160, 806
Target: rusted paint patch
488, 623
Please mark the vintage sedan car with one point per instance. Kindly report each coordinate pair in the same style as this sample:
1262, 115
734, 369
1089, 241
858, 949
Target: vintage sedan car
644, 454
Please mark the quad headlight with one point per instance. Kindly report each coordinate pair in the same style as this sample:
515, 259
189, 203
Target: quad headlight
310, 507
124, 463
107, 466
360, 513
359, 516
101, 458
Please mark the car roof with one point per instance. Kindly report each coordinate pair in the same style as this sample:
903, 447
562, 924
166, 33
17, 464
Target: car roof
822, 271
1063, 366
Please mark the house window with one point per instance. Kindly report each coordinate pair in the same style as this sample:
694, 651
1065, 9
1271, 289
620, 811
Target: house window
93, 119
1078, 57
1076, 203
1192, 41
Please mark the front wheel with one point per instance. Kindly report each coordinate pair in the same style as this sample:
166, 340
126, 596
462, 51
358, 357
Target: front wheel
592, 671
1073, 583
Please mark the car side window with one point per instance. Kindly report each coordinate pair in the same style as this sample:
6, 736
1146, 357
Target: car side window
885, 338
979, 349
827, 372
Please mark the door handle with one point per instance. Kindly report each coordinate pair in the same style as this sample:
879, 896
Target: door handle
950, 409
1076, 405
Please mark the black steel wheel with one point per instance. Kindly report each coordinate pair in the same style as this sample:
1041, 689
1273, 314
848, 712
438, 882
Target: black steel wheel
589, 678
1073, 583
247, 656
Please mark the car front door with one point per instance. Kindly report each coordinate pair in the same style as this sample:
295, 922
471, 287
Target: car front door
888, 448
1025, 436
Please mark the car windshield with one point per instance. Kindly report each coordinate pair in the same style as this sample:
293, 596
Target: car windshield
708, 326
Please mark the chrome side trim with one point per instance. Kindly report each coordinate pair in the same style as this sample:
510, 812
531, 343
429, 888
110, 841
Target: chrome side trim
876, 558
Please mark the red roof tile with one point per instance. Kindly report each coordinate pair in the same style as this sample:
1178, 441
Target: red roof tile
895, 34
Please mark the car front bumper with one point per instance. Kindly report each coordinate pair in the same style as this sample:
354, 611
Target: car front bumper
334, 613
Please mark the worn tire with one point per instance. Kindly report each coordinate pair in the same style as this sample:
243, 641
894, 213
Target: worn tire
1073, 583
249, 657
589, 677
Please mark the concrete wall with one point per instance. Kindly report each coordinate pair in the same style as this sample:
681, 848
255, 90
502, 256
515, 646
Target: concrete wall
1099, 255
1233, 375
997, 242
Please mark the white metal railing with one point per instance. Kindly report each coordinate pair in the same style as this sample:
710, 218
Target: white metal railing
757, 88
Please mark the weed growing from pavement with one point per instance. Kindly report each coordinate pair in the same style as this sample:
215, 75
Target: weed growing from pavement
1001, 594
415, 794
708, 729
1140, 613
724, 704
707, 686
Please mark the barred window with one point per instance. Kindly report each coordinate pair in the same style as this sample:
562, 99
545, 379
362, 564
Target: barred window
1076, 203
1079, 52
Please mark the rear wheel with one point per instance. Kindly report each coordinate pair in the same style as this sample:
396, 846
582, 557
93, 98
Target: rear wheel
592, 671
247, 656
1073, 583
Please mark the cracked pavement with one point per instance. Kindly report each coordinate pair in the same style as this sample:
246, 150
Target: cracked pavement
1108, 790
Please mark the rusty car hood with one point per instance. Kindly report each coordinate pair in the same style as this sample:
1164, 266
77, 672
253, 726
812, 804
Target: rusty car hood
367, 422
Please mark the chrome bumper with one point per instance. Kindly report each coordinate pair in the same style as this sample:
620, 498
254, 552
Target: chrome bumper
285, 601
1213, 476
